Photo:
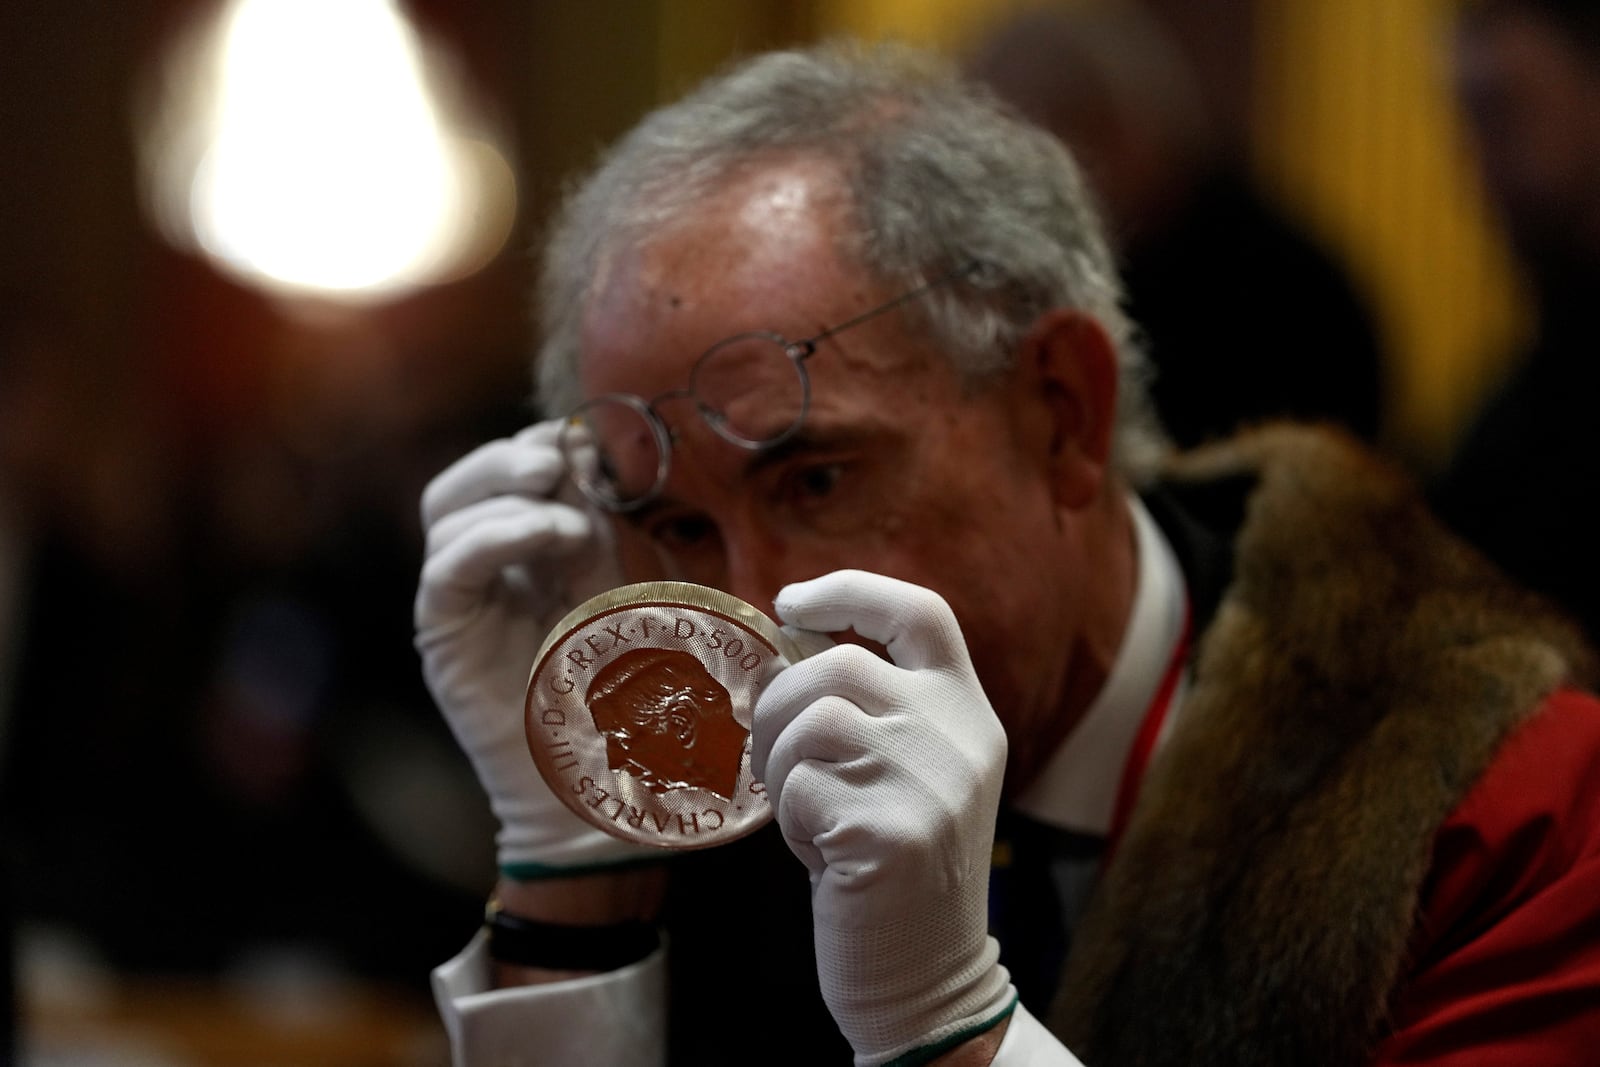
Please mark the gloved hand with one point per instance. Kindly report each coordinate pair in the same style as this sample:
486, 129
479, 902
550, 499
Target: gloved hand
511, 548
885, 777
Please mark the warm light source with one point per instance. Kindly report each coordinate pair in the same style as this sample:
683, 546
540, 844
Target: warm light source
305, 146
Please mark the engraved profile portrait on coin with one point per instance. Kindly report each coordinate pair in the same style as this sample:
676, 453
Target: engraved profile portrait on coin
639, 708
667, 721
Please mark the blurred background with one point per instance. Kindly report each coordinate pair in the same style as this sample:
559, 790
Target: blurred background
265, 271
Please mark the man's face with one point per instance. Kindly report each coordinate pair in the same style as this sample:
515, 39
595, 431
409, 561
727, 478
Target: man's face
899, 468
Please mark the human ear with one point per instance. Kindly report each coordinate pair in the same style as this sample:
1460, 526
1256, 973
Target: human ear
1069, 364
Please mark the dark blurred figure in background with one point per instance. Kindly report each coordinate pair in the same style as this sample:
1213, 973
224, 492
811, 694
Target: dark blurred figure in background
55, 474
1196, 238
221, 777
13, 560
1527, 470
210, 708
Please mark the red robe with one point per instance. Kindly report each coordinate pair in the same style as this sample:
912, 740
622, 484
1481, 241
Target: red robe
1507, 955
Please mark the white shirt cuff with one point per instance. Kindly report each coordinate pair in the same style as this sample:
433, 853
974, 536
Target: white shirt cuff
616, 1018
1028, 1044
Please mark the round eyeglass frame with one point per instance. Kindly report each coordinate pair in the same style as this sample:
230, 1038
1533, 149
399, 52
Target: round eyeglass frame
797, 352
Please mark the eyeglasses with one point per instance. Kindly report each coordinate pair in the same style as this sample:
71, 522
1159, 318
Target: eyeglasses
751, 388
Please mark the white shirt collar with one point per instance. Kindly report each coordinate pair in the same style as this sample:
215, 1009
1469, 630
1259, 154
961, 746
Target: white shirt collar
1077, 789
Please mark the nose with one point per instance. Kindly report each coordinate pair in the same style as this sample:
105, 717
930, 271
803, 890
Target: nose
756, 567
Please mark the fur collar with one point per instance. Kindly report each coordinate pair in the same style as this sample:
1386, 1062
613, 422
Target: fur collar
1356, 678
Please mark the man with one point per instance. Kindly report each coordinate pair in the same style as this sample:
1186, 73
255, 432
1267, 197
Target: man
1284, 774
1528, 78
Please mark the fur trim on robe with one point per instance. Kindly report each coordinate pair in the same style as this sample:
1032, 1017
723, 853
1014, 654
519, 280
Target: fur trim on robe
1358, 675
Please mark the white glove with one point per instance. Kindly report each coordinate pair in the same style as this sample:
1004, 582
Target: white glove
885, 777
505, 560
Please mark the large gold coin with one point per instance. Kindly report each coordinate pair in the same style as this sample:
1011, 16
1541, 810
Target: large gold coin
639, 708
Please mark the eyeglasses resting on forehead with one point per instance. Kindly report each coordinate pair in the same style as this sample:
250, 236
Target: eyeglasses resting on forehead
751, 388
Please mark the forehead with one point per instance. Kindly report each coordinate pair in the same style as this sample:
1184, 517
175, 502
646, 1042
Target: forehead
764, 252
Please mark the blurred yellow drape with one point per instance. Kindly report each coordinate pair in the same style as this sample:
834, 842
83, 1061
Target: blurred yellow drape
1352, 128
1355, 127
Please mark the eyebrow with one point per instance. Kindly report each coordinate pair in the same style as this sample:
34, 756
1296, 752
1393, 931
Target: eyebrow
780, 453
807, 439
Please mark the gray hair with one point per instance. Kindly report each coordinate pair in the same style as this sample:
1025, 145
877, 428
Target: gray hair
940, 172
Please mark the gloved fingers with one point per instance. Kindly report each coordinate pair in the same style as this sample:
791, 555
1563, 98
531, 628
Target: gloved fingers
570, 527
931, 733
914, 624
846, 671
456, 577
800, 819
829, 729
817, 777
527, 464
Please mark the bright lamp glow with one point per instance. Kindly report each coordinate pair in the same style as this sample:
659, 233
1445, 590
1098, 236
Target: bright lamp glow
320, 161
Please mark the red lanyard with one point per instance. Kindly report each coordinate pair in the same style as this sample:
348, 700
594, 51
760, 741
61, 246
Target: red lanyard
1144, 742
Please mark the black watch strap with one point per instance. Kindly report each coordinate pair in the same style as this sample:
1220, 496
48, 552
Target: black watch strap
565, 947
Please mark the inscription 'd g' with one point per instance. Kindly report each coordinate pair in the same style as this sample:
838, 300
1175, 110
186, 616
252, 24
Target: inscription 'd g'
639, 719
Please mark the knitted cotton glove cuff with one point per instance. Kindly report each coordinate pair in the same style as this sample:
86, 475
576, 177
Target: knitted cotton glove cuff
929, 1053
904, 991
540, 838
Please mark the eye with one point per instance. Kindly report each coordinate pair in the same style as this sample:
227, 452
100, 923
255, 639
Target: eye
814, 482
680, 532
